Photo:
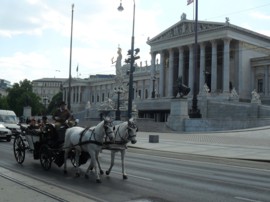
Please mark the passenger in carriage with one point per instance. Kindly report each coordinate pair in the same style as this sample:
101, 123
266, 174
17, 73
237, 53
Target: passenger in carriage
33, 127
61, 116
43, 123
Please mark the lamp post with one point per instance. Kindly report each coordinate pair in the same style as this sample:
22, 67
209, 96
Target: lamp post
118, 91
194, 112
70, 57
130, 91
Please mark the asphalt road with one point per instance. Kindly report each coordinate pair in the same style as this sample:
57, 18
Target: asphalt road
156, 177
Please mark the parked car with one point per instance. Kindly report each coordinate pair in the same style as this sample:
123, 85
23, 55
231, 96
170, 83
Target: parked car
5, 134
9, 120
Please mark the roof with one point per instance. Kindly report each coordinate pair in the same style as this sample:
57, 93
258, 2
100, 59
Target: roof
50, 80
185, 28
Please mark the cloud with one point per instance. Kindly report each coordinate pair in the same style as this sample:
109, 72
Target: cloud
24, 66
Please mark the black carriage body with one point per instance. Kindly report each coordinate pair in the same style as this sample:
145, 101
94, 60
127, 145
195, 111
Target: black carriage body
46, 146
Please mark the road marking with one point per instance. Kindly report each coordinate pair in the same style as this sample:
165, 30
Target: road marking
135, 176
246, 199
209, 163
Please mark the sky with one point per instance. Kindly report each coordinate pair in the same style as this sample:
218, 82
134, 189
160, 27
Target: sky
35, 34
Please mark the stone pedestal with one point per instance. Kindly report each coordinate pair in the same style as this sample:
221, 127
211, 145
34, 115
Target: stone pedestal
27, 112
179, 112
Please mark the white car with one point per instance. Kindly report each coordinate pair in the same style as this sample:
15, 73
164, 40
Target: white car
5, 133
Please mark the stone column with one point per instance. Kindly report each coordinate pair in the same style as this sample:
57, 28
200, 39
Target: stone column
153, 72
226, 65
181, 63
143, 90
77, 94
202, 66
214, 67
79, 100
161, 75
191, 69
170, 82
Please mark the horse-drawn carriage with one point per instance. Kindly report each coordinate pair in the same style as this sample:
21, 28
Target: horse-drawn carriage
76, 143
45, 145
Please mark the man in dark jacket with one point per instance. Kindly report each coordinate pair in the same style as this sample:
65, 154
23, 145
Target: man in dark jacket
62, 115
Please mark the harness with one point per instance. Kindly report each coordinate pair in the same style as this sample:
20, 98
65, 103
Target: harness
89, 140
123, 139
80, 143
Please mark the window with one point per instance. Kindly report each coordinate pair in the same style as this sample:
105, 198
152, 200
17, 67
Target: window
260, 86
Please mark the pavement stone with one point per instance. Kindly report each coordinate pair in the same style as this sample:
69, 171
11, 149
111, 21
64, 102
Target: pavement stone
251, 144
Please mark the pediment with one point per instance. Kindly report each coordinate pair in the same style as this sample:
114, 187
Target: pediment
183, 28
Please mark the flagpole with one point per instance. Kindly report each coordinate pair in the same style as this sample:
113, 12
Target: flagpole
193, 10
70, 58
194, 112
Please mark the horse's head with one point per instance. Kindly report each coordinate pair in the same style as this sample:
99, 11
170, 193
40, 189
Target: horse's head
109, 128
132, 131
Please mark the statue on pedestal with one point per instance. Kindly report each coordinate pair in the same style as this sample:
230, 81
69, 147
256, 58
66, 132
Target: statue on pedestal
118, 64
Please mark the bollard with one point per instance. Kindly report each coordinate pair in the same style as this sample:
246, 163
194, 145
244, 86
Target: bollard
153, 139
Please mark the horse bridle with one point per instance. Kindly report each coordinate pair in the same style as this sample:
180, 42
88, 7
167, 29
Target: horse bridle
129, 137
106, 126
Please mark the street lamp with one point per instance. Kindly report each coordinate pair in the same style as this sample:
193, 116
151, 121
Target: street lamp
194, 112
130, 91
118, 91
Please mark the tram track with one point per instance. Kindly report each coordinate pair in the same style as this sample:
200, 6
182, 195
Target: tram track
53, 191
33, 188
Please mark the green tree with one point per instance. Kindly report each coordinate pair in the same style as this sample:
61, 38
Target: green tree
21, 95
3, 102
55, 103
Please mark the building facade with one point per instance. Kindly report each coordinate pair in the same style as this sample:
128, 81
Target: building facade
46, 88
4, 85
230, 59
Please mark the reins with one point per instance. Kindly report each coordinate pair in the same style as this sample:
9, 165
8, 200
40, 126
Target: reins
124, 140
93, 134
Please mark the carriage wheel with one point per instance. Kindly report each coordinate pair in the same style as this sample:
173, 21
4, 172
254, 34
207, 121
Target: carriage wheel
45, 157
19, 149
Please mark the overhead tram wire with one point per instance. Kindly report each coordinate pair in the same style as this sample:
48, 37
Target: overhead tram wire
237, 12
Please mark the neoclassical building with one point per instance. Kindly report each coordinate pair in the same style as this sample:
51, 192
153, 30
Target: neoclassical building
229, 59
224, 56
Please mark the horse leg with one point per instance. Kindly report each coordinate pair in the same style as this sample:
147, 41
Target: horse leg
65, 161
77, 159
123, 152
93, 165
100, 170
112, 162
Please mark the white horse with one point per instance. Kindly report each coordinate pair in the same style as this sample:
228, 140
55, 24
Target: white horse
124, 133
87, 140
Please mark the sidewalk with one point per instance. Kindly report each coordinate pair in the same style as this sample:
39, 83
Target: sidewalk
16, 187
253, 144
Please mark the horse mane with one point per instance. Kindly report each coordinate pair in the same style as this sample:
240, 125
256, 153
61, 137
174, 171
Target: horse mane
99, 127
119, 129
